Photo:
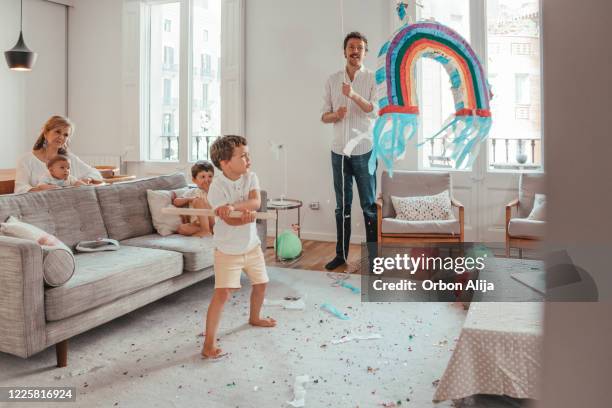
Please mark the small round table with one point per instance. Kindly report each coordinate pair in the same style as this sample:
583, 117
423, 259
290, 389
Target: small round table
284, 204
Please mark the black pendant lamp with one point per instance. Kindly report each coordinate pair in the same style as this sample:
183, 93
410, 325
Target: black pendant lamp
20, 57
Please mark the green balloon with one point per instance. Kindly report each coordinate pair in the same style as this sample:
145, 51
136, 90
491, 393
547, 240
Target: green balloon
288, 245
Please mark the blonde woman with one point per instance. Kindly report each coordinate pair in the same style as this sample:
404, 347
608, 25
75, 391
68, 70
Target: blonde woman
53, 140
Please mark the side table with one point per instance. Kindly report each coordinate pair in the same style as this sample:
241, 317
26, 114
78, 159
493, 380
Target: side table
284, 204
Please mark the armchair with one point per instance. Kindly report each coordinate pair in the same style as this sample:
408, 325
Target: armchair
412, 184
521, 232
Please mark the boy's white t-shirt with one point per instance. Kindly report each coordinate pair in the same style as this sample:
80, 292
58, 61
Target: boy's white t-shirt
194, 193
233, 240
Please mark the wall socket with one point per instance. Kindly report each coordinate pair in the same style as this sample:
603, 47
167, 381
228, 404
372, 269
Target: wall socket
315, 205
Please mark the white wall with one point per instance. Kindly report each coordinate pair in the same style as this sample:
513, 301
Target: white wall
292, 47
95, 73
27, 99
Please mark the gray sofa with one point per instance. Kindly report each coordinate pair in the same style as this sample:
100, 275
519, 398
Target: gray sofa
105, 285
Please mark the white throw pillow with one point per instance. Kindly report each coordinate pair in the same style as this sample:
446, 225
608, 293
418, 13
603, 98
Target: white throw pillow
538, 213
165, 224
423, 208
13, 227
58, 260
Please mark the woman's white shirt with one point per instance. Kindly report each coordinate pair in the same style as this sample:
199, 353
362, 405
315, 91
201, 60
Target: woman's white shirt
31, 171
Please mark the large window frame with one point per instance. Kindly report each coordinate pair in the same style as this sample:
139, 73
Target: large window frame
478, 40
232, 28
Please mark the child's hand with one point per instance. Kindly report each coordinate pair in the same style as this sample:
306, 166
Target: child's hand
248, 216
224, 211
80, 183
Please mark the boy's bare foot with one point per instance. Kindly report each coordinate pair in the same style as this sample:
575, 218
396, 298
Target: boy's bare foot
212, 352
269, 322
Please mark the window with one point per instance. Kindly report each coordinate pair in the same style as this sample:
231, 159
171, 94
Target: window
205, 63
521, 89
167, 128
436, 100
167, 91
520, 48
516, 135
168, 57
204, 94
163, 78
206, 113
509, 31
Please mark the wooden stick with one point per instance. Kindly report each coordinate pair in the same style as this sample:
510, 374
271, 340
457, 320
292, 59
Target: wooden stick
211, 213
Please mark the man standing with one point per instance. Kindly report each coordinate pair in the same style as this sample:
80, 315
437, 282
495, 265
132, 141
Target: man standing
348, 106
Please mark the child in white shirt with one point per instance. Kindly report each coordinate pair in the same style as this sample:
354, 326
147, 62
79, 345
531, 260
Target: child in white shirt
59, 173
237, 246
202, 173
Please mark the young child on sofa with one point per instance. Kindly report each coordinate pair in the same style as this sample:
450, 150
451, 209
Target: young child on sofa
202, 173
237, 246
59, 173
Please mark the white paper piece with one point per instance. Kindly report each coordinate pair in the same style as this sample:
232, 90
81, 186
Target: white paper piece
299, 392
286, 304
346, 339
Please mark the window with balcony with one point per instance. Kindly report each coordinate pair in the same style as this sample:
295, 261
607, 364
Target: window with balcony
515, 141
172, 120
506, 34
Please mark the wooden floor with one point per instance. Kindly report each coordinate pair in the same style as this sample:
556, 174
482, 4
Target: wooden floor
315, 254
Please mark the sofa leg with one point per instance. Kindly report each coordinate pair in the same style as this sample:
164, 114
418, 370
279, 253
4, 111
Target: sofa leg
61, 350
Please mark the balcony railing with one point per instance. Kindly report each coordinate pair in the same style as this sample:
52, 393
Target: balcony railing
504, 153
169, 147
201, 146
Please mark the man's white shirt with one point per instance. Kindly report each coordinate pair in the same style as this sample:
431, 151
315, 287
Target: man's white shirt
356, 123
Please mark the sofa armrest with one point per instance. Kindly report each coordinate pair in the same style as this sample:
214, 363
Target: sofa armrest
22, 313
513, 203
457, 203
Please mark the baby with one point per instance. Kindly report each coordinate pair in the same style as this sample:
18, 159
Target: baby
59, 173
201, 174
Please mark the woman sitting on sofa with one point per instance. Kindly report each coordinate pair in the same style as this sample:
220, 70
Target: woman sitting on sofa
53, 140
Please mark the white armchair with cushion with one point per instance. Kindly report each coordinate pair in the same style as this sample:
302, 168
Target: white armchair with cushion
528, 226
416, 184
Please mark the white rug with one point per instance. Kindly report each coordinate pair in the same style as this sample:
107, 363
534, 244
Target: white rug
151, 357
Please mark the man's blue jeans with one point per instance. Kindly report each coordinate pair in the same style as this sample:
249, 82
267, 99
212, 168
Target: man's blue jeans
347, 168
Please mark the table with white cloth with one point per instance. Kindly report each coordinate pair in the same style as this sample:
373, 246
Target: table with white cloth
498, 352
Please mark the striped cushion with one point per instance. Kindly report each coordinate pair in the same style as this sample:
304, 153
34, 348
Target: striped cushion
58, 265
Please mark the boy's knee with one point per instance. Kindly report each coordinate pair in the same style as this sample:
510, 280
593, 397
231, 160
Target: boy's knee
259, 287
223, 294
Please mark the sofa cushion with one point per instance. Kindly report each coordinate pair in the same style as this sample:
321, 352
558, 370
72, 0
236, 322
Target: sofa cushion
423, 208
530, 184
58, 265
395, 226
71, 214
125, 208
526, 228
411, 184
101, 277
197, 252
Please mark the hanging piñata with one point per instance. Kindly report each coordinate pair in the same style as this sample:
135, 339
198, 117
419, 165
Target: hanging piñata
465, 131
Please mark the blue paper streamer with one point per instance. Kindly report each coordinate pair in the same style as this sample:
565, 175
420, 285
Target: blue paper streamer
349, 286
331, 309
